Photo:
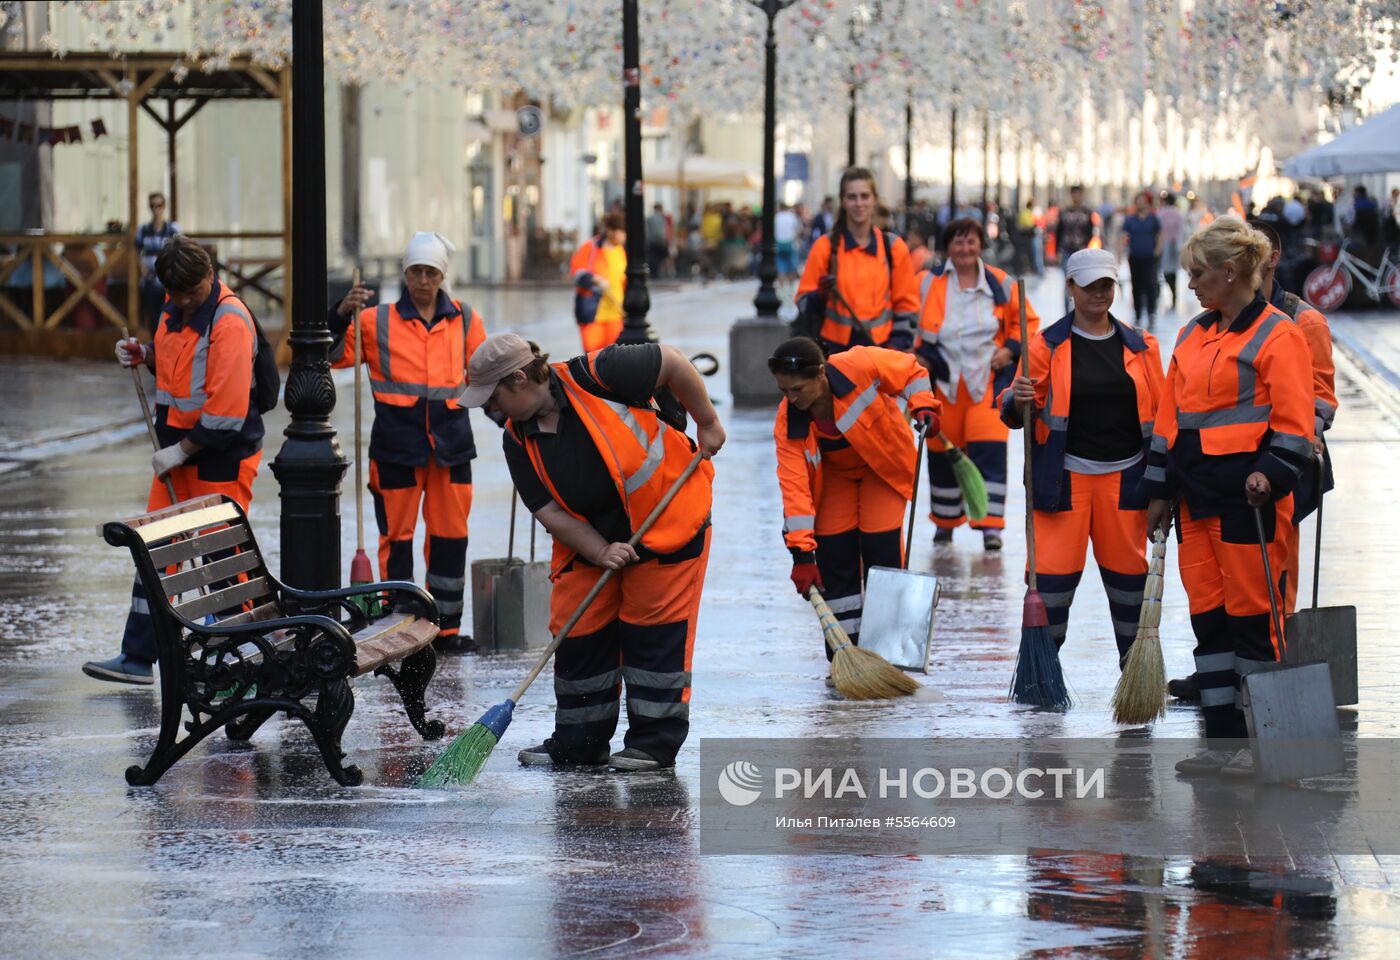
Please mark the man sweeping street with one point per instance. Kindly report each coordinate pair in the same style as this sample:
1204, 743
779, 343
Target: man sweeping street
421, 446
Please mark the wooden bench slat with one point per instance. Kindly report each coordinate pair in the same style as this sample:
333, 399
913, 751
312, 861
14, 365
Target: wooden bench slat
266, 611
200, 546
387, 646
189, 578
195, 609
175, 509
187, 522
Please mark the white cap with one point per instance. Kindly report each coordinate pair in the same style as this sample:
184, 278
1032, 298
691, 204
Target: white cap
432, 250
1085, 266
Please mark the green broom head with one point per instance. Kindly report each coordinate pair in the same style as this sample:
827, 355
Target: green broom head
1039, 680
465, 756
970, 482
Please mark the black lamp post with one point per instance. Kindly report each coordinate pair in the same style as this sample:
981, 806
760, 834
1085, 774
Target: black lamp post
636, 302
953, 164
851, 129
908, 157
767, 302
310, 465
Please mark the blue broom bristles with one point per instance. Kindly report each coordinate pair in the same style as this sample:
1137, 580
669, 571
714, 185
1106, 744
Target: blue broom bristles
1039, 680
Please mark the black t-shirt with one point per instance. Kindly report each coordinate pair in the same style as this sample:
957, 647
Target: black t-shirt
1103, 418
571, 459
1074, 230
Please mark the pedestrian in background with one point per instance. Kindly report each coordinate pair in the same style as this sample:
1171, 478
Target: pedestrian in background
1233, 433
1142, 235
209, 427
599, 271
1173, 223
421, 445
1093, 387
846, 464
658, 240
591, 457
857, 287
787, 227
969, 341
150, 239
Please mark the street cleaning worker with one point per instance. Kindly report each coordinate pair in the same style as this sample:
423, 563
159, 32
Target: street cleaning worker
857, 287
970, 341
208, 425
599, 271
1314, 327
846, 464
1234, 431
1094, 384
421, 446
591, 456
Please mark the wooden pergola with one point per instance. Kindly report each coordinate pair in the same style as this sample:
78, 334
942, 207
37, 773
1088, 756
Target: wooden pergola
149, 82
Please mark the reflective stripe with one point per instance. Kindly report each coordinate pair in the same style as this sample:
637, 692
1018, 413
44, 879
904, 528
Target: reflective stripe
596, 684
1159, 443
1058, 631
813, 457
1125, 597
926, 336
1248, 374
1245, 667
381, 335
950, 493
883, 317
804, 521
210, 422
678, 680
657, 711
1053, 421
1147, 427
449, 607
1214, 662
1155, 474
941, 510
1186, 330
1324, 410
593, 714
416, 389
849, 624
1125, 628
858, 405
655, 454
141, 605
996, 488
1223, 418
921, 384
193, 402
1292, 442
844, 604
1217, 696
437, 581
1062, 599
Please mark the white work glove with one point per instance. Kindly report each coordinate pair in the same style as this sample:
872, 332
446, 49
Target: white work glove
167, 459
131, 352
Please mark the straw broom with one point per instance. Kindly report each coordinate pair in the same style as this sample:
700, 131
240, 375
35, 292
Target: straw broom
859, 674
464, 757
1039, 680
969, 480
1141, 694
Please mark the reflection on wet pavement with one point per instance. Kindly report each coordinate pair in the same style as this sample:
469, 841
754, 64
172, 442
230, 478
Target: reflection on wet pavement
254, 851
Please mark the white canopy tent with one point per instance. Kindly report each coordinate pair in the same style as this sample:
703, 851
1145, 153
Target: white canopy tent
1372, 147
702, 173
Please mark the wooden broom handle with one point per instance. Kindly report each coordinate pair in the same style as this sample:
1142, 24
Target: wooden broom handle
835, 636
359, 416
1027, 425
607, 575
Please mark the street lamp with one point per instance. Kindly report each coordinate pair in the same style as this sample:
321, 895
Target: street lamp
310, 465
636, 302
751, 340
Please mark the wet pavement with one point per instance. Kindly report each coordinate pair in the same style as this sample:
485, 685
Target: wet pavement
254, 851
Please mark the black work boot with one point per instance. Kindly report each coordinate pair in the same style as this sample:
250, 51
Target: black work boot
1187, 688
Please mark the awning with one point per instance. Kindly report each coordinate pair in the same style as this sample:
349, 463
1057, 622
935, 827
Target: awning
1371, 147
700, 173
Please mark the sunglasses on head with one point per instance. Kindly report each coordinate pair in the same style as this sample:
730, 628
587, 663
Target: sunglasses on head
792, 365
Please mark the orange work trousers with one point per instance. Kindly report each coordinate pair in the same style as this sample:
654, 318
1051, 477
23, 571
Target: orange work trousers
859, 525
139, 636
978, 430
445, 495
597, 335
1120, 549
640, 629
1222, 570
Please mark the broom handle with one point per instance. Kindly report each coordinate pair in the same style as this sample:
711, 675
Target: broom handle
533, 524
510, 543
914, 502
1268, 573
1027, 426
359, 466
1317, 541
607, 575
828, 621
150, 423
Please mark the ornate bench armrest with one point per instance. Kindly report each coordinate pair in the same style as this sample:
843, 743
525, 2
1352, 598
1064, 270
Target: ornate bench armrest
414, 595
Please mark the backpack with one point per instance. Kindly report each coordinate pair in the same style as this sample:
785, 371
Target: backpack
267, 379
586, 299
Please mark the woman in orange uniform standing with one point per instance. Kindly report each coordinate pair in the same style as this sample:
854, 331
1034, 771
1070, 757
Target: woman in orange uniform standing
599, 271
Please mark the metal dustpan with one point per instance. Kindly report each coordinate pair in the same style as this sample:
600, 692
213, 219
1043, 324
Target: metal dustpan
510, 598
1325, 633
897, 620
1289, 712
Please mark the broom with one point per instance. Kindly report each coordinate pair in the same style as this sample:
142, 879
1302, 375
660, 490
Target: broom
360, 570
1140, 696
859, 674
465, 756
1039, 679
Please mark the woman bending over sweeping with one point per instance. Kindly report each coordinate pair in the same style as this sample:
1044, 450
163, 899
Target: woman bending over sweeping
1234, 431
591, 456
1094, 387
846, 462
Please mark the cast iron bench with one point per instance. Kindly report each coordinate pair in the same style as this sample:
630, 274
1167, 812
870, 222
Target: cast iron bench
237, 645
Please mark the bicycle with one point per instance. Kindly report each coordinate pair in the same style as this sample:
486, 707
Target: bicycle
1329, 285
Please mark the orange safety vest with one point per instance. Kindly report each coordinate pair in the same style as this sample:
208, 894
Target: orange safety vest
870, 388
204, 375
933, 309
875, 291
644, 456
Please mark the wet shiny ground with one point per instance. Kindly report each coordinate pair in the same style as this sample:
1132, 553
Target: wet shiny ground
256, 852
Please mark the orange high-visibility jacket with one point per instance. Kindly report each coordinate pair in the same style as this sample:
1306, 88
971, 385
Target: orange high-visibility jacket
875, 300
1237, 400
933, 308
204, 376
416, 374
870, 388
1313, 325
644, 455
1051, 366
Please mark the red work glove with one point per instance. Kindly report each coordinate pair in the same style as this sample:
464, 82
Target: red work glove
826, 283
805, 575
927, 417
